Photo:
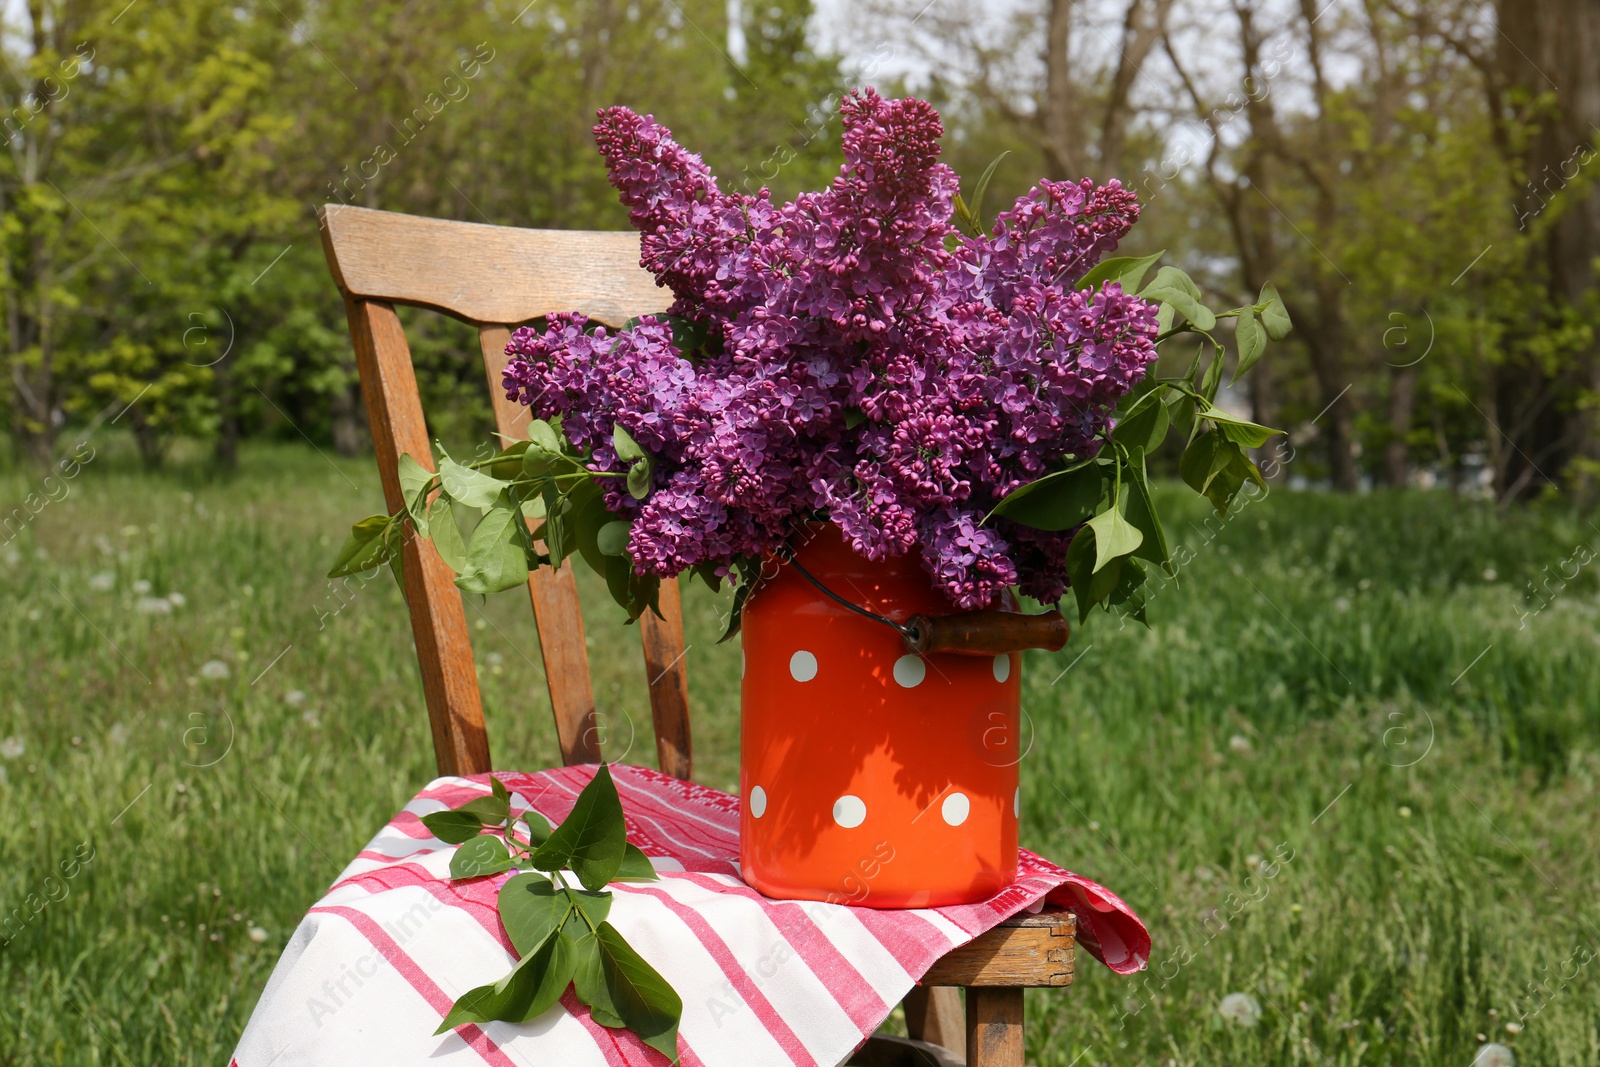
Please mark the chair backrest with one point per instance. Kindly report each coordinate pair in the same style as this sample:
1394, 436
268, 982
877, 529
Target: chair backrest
495, 278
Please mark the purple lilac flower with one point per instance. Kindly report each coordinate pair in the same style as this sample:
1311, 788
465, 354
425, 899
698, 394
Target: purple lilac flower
859, 369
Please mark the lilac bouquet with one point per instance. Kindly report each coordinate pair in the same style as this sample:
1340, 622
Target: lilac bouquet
873, 356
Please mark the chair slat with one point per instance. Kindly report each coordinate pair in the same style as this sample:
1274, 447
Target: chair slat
668, 675
444, 650
556, 610
489, 274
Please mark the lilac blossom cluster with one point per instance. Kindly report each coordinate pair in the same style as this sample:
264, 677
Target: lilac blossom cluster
854, 368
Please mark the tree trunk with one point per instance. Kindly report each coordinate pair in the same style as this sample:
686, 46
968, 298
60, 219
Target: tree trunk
1144, 24
1396, 453
350, 436
1058, 153
1548, 48
226, 452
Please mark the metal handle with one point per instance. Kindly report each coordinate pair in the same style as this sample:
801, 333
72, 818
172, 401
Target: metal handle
985, 633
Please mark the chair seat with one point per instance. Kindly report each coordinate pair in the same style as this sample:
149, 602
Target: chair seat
1024, 950
796, 981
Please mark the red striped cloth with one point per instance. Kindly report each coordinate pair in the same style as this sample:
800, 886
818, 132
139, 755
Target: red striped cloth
376, 964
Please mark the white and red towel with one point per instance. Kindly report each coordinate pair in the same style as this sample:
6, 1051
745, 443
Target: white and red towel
376, 964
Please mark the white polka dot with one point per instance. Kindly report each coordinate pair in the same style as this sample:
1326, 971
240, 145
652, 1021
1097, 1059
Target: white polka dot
849, 812
758, 802
909, 671
956, 808
802, 666
1002, 668
1016, 803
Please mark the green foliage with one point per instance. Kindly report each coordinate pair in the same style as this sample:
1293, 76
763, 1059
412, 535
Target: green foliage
1109, 494
561, 935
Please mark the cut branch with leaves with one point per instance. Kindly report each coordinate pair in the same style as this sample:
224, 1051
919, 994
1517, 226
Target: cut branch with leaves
560, 933
533, 504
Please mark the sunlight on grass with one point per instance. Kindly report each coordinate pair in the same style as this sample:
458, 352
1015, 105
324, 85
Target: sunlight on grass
1354, 784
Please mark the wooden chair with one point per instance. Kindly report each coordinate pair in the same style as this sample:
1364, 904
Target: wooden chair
497, 278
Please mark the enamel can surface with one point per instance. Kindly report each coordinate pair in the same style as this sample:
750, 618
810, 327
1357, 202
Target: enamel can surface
869, 775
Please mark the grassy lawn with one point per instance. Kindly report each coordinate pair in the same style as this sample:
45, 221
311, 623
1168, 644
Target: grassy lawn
1350, 772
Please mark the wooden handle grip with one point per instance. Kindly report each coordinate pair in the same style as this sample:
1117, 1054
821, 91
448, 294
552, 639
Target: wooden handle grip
986, 633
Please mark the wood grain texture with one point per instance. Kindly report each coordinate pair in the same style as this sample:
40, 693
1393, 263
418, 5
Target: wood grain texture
556, 610
934, 1014
438, 623
994, 1027
1028, 950
488, 274
667, 673
986, 633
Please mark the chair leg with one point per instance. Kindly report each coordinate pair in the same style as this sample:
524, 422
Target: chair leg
933, 1014
994, 1027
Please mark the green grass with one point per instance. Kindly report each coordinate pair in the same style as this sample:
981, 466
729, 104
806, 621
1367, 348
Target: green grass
1306, 693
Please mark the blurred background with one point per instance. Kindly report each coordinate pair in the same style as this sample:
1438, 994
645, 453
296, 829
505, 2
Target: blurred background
1385, 670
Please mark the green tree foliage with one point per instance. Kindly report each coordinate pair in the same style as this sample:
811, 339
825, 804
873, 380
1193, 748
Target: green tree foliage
162, 265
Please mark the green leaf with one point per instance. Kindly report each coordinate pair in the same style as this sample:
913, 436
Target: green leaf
612, 538
617, 984
498, 790
1089, 586
586, 519
414, 480
636, 866
963, 216
532, 988
496, 558
641, 476
979, 190
544, 436
618, 574
491, 809
538, 827
1275, 317
453, 827
589, 974
1198, 463
592, 840
1129, 593
627, 448
1174, 278
1165, 314
1213, 376
1145, 426
1057, 501
1181, 407
484, 854
854, 417
1126, 271
1172, 286
1242, 431
1217, 468
446, 533
1113, 536
741, 593
1191, 308
531, 909
364, 549
1252, 341
467, 486
1142, 515
596, 907
508, 463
